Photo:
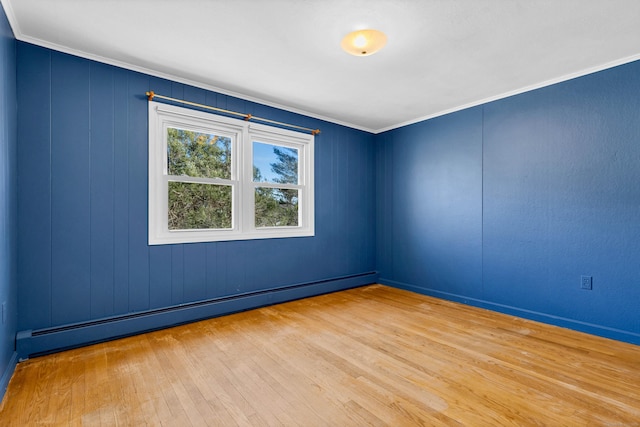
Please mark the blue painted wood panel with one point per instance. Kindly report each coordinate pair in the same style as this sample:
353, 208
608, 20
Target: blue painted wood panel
70, 189
177, 274
8, 201
137, 144
34, 178
106, 267
120, 192
160, 276
102, 190
195, 272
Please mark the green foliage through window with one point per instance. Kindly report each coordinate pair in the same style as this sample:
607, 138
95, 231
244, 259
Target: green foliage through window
276, 207
198, 154
199, 206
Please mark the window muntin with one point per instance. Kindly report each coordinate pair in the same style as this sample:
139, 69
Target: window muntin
206, 180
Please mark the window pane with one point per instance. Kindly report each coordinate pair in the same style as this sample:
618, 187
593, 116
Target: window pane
275, 163
276, 207
199, 206
198, 154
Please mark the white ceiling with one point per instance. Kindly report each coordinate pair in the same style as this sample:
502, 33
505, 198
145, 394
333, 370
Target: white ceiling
441, 55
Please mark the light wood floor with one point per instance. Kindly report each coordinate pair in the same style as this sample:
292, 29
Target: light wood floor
367, 356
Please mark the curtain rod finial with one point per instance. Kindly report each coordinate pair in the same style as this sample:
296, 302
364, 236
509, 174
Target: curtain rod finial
150, 95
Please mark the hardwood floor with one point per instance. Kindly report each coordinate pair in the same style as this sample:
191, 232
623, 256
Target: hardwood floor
368, 356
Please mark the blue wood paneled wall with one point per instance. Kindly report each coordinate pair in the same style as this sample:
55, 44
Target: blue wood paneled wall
508, 204
82, 158
8, 203
503, 205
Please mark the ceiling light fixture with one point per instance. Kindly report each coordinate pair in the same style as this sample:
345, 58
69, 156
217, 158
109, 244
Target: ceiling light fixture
364, 42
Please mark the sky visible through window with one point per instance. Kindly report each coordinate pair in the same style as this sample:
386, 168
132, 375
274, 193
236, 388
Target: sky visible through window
263, 157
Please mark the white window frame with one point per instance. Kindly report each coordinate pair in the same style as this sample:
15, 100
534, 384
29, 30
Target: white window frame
242, 134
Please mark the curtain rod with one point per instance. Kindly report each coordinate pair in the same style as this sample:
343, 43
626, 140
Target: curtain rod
151, 94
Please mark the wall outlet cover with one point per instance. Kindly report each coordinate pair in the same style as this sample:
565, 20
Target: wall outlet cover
586, 282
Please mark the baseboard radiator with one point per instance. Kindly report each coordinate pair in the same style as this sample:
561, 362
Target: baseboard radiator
38, 342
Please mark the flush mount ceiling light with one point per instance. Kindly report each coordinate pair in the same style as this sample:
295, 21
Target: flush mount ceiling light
364, 42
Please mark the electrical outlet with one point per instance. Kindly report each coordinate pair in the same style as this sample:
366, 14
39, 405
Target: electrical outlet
586, 282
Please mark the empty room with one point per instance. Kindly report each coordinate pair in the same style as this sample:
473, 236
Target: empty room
320, 213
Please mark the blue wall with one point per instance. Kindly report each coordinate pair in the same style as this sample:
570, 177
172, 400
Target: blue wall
82, 164
8, 202
503, 206
506, 205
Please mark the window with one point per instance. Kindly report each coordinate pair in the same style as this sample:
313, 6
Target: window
214, 178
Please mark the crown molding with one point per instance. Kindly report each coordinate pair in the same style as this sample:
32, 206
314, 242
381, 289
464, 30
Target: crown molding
518, 91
